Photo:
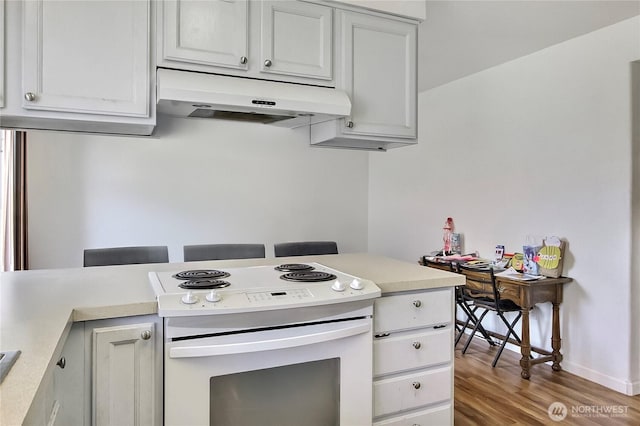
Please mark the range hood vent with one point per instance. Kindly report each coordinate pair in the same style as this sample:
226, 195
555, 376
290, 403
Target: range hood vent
191, 94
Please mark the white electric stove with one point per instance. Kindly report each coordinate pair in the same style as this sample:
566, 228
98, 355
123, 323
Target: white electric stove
267, 345
257, 288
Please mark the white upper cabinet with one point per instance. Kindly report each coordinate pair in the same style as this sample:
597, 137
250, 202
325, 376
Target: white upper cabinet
377, 63
86, 56
272, 40
213, 32
379, 73
296, 39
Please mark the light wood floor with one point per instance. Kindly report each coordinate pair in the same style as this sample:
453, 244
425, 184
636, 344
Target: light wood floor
498, 396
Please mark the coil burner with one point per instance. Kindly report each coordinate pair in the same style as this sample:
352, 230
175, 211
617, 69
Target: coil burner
308, 276
294, 267
203, 284
197, 274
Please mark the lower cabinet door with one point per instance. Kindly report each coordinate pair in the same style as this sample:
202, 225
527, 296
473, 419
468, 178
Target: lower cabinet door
411, 391
123, 375
413, 310
68, 381
434, 416
412, 350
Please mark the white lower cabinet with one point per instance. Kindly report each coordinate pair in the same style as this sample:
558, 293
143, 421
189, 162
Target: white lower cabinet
68, 381
60, 398
413, 358
126, 373
109, 372
440, 415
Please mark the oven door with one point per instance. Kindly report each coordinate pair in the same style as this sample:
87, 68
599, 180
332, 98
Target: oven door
318, 374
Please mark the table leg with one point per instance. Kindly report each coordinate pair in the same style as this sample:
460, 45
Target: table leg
556, 342
525, 346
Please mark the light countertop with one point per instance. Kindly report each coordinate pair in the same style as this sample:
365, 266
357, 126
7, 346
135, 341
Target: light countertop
38, 307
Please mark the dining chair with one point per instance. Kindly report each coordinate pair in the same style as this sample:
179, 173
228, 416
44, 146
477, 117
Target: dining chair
222, 251
305, 248
482, 289
125, 255
465, 305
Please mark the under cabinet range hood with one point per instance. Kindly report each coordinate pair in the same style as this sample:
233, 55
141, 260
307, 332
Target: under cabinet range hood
192, 94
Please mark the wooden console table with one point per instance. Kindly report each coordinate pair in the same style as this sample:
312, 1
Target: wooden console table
527, 294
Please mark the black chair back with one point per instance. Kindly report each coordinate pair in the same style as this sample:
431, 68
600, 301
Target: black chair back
305, 248
482, 289
223, 251
480, 282
126, 255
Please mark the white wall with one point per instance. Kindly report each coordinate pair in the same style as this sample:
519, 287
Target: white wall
540, 145
634, 300
196, 181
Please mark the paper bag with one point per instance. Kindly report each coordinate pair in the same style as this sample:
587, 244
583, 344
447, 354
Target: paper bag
551, 257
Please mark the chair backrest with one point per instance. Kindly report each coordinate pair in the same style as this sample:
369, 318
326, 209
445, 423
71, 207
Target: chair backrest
480, 282
439, 264
222, 251
305, 248
126, 255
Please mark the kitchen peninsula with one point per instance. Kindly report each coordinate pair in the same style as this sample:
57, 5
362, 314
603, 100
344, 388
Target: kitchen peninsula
38, 309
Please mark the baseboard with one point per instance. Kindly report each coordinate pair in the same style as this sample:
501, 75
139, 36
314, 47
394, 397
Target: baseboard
633, 388
622, 386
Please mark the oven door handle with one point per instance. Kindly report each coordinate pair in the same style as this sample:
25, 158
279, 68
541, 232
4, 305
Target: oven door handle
268, 344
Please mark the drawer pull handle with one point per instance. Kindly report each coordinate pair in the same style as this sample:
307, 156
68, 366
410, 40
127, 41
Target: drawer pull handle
417, 345
62, 362
381, 335
501, 289
417, 303
145, 335
439, 326
416, 385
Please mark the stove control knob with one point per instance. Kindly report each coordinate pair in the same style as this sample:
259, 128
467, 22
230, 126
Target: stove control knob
213, 296
189, 298
338, 286
356, 284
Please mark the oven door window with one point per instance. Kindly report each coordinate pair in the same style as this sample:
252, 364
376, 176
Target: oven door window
280, 396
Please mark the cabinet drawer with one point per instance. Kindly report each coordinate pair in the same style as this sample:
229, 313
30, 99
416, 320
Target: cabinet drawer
433, 416
413, 310
411, 391
409, 351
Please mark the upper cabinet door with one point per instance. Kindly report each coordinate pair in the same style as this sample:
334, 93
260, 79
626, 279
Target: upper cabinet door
379, 74
87, 56
296, 39
211, 32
